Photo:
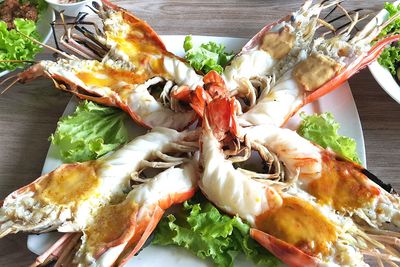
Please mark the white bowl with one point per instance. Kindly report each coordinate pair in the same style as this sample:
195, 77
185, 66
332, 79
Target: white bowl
381, 74
385, 80
43, 27
72, 9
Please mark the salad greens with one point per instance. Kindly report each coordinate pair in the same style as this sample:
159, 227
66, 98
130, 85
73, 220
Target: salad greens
206, 57
14, 46
322, 130
390, 57
90, 132
203, 230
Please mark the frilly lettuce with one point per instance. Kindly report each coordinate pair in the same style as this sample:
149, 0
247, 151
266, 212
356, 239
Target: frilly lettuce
13, 46
323, 130
203, 230
206, 57
90, 132
390, 57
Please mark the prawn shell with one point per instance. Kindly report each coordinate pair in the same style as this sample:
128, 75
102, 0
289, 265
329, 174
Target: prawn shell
146, 27
286, 252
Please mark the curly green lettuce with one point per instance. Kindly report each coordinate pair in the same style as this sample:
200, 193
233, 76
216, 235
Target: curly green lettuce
203, 230
13, 46
390, 57
90, 132
323, 130
206, 57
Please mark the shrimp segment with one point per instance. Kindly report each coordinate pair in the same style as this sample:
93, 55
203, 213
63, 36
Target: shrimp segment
333, 181
119, 231
273, 50
265, 207
65, 198
118, 86
135, 73
326, 65
286, 217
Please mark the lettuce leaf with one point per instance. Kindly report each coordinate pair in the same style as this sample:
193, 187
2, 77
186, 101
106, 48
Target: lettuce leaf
90, 132
13, 46
390, 57
323, 130
203, 230
206, 57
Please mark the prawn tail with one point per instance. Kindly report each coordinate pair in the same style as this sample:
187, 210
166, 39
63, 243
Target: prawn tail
139, 239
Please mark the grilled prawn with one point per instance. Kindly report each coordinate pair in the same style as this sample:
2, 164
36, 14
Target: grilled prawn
135, 72
325, 64
332, 180
273, 50
118, 231
290, 222
74, 197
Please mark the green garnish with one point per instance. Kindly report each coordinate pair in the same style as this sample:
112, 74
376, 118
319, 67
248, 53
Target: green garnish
206, 57
323, 130
90, 132
13, 46
203, 230
390, 57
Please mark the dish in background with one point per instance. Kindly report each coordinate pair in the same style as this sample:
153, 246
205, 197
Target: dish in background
382, 75
71, 9
345, 113
385, 79
43, 27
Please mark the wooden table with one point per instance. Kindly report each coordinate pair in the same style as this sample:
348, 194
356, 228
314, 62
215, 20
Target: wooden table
29, 113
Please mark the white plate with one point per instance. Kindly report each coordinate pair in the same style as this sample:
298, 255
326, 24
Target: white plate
340, 103
43, 27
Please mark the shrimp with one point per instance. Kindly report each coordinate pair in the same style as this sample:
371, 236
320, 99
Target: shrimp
331, 179
66, 199
273, 50
135, 72
328, 63
285, 219
118, 231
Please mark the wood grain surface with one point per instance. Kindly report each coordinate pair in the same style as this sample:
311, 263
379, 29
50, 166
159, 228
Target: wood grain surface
29, 113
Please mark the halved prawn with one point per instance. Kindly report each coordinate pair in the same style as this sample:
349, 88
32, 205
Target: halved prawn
118, 231
331, 179
79, 197
287, 220
327, 64
136, 72
273, 50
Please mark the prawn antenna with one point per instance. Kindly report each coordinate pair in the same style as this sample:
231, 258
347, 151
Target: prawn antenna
47, 46
10, 85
